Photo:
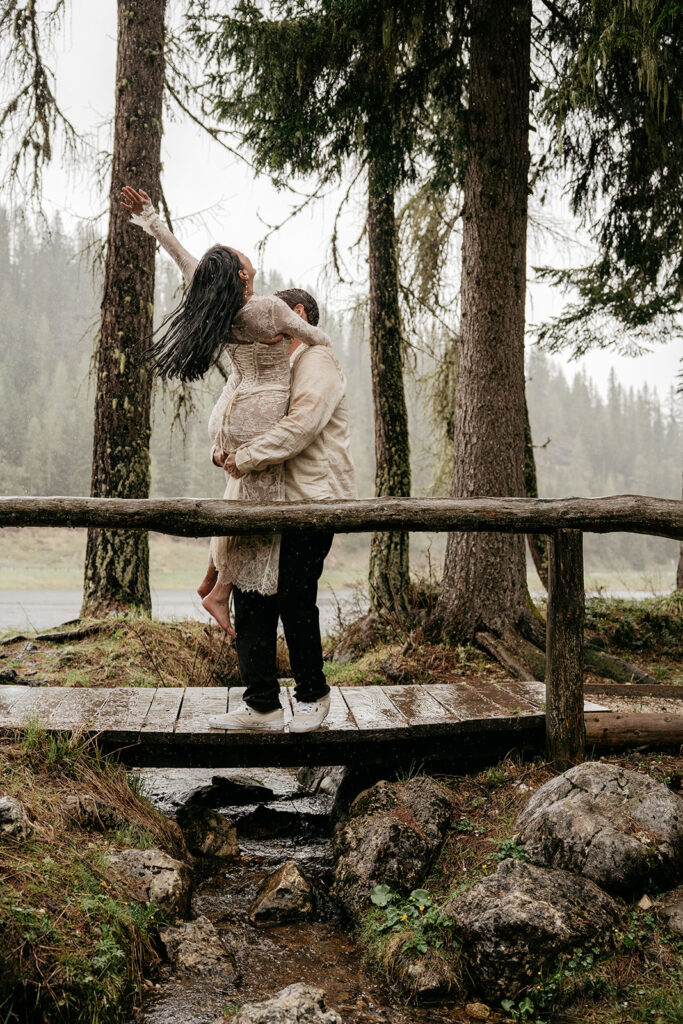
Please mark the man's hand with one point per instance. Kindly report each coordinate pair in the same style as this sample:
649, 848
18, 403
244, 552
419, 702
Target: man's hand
219, 458
230, 466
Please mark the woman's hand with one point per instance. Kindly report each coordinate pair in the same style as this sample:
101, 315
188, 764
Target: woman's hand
134, 202
230, 466
273, 341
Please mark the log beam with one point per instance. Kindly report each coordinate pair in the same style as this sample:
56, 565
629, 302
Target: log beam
611, 730
565, 729
190, 517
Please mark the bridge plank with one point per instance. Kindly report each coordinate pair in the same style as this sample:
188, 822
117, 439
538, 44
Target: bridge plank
340, 718
416, 705
465, 703
199, 703
516, 696
123, 715
163, 713
372, 708
80, 709
34, 703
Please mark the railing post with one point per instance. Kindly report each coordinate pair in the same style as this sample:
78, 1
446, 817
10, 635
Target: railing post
565, 729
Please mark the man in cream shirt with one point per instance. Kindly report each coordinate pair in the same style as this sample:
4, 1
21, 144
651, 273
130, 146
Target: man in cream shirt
313, 442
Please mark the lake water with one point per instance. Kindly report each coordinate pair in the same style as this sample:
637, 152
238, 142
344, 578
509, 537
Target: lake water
44, 609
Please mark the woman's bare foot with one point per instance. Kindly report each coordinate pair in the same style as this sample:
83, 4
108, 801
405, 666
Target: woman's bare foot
217, 603
209, 581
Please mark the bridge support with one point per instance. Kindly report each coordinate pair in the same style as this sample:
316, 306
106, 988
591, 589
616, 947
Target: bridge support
565, 726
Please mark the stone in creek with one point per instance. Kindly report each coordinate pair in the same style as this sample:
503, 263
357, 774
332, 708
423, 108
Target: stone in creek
195, 947
152, 875
478, 1011
14, 819
617, 827
517, 921
208, 833
283, 897
392, 834
670, 912
296, 1004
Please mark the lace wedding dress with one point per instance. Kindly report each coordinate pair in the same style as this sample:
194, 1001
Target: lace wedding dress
255, 397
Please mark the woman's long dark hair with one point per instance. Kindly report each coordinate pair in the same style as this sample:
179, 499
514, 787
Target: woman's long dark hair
197, 331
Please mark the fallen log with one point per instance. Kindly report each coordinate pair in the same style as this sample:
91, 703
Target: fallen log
610, 730
634, 690
190, 517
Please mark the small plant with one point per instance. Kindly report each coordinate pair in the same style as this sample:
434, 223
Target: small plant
496, 777
509, 848
411, 772
467, 826
415, 912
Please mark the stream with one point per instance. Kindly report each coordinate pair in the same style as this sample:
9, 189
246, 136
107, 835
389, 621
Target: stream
288, 824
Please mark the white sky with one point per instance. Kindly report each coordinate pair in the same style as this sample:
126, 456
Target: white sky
199, 176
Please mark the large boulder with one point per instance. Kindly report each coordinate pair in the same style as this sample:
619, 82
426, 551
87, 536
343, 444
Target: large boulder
14, 819
153, 876
195, 947
296, 1004
617, 827
284, 896
517, 921
208, 833
391, 835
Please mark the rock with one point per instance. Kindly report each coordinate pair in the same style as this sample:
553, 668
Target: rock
28, 648
617, 827
477, 1011
91, 811
670, 912
195, 947
517, 921
358, 637
208, 833
14, 819
296, 1004
154, 876
645, 902
284, 896
391, 835
9, 675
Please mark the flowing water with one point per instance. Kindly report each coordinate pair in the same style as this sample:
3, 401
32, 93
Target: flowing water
286, 825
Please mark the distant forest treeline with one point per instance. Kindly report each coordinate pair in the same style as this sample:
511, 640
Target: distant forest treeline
625, 442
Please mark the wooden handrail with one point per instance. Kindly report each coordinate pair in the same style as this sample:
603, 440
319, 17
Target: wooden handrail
563, 519
202, 517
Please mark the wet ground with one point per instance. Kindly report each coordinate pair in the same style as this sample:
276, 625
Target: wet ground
284, 824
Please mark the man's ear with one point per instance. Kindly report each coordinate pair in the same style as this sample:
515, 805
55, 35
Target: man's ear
300, 310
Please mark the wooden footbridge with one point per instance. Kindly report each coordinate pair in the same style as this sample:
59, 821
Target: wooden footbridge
368, 724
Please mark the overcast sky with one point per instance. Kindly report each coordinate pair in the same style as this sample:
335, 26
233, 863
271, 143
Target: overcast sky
199, 176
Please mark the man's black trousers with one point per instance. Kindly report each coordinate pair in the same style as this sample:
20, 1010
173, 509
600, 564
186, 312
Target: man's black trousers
256, 619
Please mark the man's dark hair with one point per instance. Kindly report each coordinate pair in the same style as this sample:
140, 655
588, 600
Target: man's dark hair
298, 297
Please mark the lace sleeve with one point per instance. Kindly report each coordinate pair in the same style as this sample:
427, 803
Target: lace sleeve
152, 223
285, 321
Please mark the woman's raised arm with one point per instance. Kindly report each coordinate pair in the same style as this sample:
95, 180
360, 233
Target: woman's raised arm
142, 213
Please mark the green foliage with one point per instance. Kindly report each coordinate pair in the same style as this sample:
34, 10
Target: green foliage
616, 108
496, 777
649, 626
509, 848
427, 925
551, 989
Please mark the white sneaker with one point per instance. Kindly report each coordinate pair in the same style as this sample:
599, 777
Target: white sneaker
246, 719
309, 716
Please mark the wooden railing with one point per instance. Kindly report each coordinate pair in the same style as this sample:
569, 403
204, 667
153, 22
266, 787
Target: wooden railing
564, 520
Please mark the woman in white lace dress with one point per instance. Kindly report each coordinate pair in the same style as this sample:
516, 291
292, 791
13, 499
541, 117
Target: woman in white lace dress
221, 311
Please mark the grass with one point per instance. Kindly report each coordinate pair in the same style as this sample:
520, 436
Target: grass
132, 651
641, 982
73, 944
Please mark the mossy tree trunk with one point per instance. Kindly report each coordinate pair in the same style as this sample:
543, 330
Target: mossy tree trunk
117, 561
484, 585
389, 576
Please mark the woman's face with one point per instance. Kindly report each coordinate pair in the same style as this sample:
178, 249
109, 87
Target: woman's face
247, 273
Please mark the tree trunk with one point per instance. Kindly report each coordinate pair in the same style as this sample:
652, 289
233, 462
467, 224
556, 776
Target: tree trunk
538, 545
389, 552
117, 561
679, 571
484, 585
